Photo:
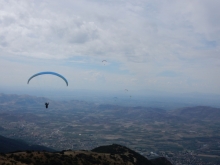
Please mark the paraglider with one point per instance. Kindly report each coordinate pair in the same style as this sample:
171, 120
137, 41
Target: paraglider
104, 61
46, 104
115, 98
52, 73
126, 90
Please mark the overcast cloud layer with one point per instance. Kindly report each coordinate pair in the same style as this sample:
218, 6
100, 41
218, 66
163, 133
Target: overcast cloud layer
167, 45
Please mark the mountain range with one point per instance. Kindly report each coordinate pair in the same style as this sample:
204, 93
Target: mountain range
31, 103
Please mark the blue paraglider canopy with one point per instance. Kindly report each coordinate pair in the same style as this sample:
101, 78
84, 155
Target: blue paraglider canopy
52, 73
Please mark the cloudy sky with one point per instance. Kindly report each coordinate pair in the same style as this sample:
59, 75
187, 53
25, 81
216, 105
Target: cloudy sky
161, 45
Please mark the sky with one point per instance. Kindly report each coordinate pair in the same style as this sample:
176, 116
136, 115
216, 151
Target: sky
149, 45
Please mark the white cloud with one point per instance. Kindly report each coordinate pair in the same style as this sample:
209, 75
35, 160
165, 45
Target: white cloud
146, 37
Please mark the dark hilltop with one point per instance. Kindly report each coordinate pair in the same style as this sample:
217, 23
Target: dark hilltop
105, 155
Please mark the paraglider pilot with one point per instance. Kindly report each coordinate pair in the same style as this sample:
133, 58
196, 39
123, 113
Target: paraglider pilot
46, 104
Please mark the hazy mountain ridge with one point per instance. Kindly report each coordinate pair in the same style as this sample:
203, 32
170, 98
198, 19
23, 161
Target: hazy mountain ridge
26, 102
19, 99
199, 113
